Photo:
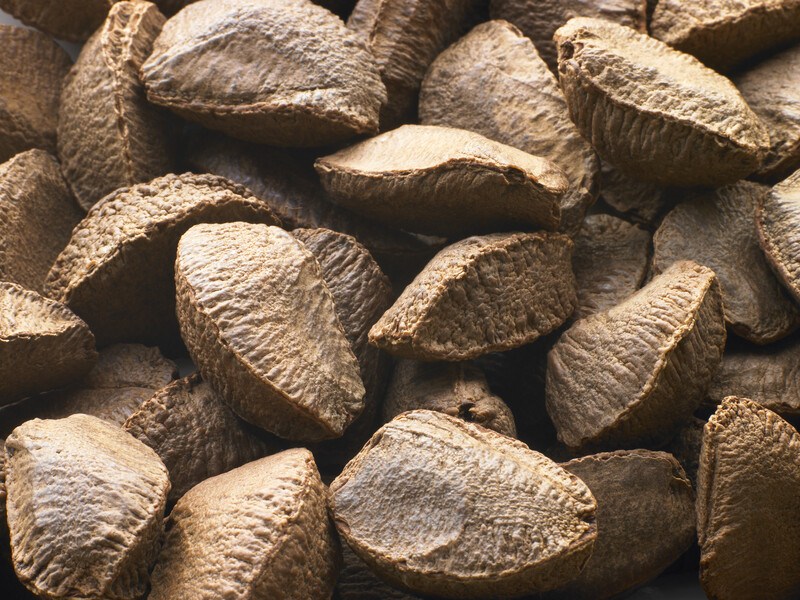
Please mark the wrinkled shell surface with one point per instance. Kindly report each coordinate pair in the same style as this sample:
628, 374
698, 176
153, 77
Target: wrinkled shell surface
73, 20
357, 581
640, 201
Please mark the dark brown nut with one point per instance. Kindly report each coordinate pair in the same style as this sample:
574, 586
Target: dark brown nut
73, 20
108, 135
37, 214
85, 508
483, 294
717, 229
4, 549
685, 447
195, 434
723, 34
772, 89
455, 389
43, 345
609, 261
444, 181
117, 271
259, 531
493, 82
653, 112
358, 582
747, 499
284, 72
482, 514
645, 520
405, 36
292, 189
640, 201
778, 224
32, 71
634, 374
539, 19
765, 375
260, 324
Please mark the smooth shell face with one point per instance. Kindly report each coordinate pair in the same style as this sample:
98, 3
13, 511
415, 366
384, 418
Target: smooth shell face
32, 71
444, 181
493, 82
280, 72
640, 201
454, 510
405, 36
73, 20
747, 498
772, 89
645, 520
43, 345
722, 33
260, 324
108, 135
259, 531
539, 19
94, 498
483, 294
778, 223
194, 433
37, 214
633, 374
117, 270
609, 261
455, 389
717, 229
655, 113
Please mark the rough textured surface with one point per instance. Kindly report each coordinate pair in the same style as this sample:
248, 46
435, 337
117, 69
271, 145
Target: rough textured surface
645, 520
405, 36
493, 82
32, 71
43, 345
85, 508
747, 498
280, 72
196, 435
717, 229
609, 262
685, 447
117, 271
539, 19
640, 201
37, 214
722, 33
259, 531
778, 224
483, 294
454, 531
73, 20
291, 187
358, 582
260, 324
108, 135
653, 112
633, 374
444, 181
455, 389
772, 89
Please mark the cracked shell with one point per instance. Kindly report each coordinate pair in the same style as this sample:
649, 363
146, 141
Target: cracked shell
635, 373
455, 389
117, 270
717, 229
645, 521
37, 214
279, 72
444, 181
655, 113
259, 322
32, 72
747, 498
94, 498
43, 345
483, 294
492, 82
259, 531
108, 135
455, 510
